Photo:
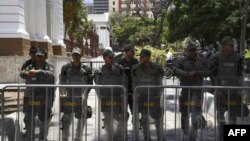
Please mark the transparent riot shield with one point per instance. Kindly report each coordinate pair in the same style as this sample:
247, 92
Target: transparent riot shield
148, 109
112, 108
31, 114
73, 106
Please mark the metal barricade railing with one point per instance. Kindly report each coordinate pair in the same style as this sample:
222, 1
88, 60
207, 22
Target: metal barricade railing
194, 117
94, 128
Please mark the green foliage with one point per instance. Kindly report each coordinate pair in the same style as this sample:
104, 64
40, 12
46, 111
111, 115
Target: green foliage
75, 19
204, 20
136, 30
157, 55
128, 29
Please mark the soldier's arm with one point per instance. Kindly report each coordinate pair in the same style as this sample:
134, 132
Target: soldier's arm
63, 79
90, 79
133, 76
213, 68
63, 75
25, 72
124, 78
160, 73
97, 74
205, 69
24, 66
48, 73
178, 69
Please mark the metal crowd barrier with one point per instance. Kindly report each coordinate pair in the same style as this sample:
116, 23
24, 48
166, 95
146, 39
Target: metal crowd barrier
12, 127
164, 112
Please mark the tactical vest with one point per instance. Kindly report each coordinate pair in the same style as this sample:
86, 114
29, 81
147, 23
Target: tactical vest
147, 76
228, 71
113, 76
192, 65
111, 98
76, 76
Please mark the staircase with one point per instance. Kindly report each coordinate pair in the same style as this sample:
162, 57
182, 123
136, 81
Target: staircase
11, 102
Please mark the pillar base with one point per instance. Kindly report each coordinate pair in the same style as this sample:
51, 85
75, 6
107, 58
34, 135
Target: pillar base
14, 47
59, 50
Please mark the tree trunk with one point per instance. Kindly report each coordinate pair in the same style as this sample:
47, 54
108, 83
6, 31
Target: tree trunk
156, 38
244, 14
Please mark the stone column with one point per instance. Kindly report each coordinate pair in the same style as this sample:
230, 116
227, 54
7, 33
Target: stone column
14, 40
30, 19
57, 30
43, 40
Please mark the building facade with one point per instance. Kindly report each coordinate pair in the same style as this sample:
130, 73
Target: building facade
25, 23
135, 7
113, 6
102, 28
101, 6
90, 8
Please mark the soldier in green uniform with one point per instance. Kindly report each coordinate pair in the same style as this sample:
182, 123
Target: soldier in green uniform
149, 73
191, 70
227, 70
75, 73
32, 60
39, 73
128, 61
111, 98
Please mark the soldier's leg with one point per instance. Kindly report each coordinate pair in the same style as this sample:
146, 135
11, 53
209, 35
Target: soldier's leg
196, 114
26, 111
79, 129
108, 125
220, 108
30, 126
81, 116
66, 121
158, 117
183, 106
29, 118
121, 127
130, 102
145, 125
235, 107
80, 125
45, 116
11, 128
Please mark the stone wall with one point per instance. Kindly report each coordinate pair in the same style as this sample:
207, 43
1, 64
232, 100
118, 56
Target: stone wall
10, 67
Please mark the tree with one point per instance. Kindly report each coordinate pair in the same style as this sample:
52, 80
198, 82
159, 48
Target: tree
138, 28
75, 20
204, 20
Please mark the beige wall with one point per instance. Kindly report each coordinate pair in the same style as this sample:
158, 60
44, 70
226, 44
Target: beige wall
10, 67
111, 6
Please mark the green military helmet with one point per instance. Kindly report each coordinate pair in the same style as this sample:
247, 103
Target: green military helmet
145, 52
129, 47
108, 53
190, 46
227, 40
42, 52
